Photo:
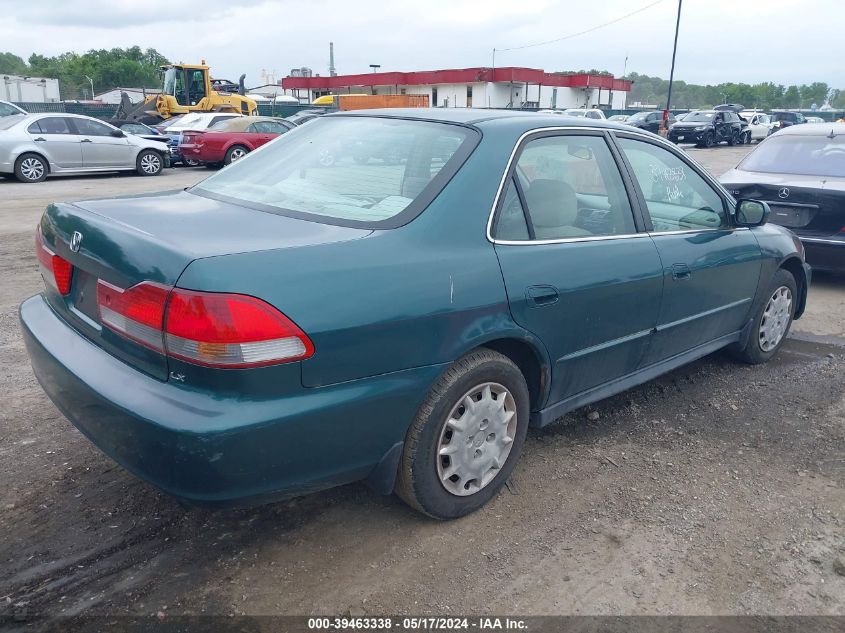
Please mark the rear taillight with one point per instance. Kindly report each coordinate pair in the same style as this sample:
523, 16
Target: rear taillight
56, 270
137, 312
205, 328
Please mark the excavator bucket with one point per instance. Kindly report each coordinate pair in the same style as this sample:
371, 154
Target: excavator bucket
144, 111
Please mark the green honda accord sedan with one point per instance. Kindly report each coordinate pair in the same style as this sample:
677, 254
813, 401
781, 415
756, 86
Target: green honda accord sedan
293, 323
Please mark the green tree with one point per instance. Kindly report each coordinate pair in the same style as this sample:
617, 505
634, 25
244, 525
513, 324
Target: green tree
814, 93
11, 64
792, 97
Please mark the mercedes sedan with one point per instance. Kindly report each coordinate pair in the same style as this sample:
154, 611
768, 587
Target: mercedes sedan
35, 146
287, 325
800, 172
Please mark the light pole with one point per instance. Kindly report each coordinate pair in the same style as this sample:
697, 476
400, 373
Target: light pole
375, 67
672, 71
92, 85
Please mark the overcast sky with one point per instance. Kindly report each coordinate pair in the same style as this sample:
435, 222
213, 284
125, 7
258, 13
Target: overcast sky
786, 41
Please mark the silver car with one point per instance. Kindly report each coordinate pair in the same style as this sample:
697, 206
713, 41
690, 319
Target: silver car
34, 146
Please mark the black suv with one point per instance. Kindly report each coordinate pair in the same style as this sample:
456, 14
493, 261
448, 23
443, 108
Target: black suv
784, 118
707, 128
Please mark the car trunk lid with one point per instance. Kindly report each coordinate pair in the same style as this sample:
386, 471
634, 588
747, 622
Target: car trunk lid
154, 238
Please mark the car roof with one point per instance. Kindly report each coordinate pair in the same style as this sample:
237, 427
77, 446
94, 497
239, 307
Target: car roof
817, 129
524, 119
239, 124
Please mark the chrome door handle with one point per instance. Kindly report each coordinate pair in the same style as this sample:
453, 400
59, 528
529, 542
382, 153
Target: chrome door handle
86, 140
39, 140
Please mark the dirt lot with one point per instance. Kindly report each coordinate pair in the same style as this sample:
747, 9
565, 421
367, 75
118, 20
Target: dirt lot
714, 490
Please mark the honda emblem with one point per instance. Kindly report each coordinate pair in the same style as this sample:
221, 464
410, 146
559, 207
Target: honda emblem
75, 241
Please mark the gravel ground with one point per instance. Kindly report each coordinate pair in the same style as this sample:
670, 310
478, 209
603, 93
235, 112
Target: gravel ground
716, 489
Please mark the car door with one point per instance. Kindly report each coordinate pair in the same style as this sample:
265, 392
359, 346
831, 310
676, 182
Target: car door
578, 273
54, 137
653, 122
710, 267
102, 150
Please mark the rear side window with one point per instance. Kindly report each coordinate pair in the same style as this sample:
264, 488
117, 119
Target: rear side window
359, 171
571, 187
54, 125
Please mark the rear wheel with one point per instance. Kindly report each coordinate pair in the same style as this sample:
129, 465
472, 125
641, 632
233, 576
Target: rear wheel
190, 162
31, 168
236, 152
772, 320
149, 163
466, 437
733, 139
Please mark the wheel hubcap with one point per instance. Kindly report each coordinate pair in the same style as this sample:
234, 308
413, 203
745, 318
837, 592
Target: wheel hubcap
775, 319
32, 168
237, 153
150, 163
476, 439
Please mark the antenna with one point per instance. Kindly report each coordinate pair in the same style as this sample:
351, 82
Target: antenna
332, 71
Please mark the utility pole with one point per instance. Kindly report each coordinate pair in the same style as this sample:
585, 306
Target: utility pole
665, 121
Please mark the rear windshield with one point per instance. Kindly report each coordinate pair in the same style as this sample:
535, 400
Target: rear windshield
358, 171
701, 117
800, 155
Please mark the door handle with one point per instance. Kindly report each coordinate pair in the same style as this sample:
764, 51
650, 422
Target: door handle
541, 295
86, 140
39, 140
680, 272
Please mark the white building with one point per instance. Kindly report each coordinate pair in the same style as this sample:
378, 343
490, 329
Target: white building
29, 89
510, 87
136, 95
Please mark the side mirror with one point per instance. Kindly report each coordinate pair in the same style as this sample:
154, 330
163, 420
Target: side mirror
752, 213
117, 133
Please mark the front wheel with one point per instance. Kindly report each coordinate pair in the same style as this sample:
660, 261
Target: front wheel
772, 320
466, 437
709, 140
149, 163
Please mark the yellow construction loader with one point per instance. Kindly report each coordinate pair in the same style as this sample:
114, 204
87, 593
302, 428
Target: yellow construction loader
186, 88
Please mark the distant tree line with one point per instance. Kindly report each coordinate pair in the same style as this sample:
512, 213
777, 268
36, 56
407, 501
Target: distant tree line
131, 67
768, 95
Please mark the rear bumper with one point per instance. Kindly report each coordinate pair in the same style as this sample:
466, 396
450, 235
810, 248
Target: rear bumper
213, 449
825, 253
198, 153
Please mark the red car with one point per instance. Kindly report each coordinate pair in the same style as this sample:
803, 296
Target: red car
227, 141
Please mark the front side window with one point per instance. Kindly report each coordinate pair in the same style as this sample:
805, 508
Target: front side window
86, 127
676, 196
360, 170
135, 128
572, 188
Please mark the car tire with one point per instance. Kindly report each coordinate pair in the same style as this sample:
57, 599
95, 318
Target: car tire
235, 153
709, 140
31, 168
493, 434
190, 162
149, 163
771, 320
748, 138
733, 139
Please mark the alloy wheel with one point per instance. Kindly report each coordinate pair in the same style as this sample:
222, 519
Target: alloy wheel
150, 163
32, 169
236, 153
476, 439
775, 319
